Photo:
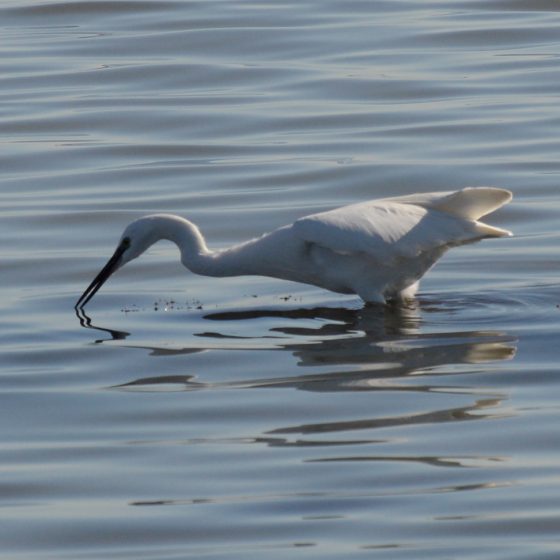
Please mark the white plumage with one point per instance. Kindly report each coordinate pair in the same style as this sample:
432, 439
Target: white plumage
378, 249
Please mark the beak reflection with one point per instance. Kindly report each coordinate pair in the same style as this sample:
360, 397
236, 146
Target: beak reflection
101, 278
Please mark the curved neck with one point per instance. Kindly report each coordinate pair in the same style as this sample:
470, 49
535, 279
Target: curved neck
195, 255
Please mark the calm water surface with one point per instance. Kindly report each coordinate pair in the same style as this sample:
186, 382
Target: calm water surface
187, 417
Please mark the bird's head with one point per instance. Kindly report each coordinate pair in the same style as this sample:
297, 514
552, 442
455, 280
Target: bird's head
136, 238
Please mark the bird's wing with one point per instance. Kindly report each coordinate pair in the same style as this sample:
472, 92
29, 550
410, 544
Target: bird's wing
470, 203
383, 230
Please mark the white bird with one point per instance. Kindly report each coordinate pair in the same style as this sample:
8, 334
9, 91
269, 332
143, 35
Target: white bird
377, 249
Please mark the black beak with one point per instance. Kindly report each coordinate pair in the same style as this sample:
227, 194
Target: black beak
100, 279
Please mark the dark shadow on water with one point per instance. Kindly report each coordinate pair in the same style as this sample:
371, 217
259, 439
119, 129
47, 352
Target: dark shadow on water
310, 497
479, 410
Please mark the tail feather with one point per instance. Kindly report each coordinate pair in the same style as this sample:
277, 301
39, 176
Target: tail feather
486, 230
469, 204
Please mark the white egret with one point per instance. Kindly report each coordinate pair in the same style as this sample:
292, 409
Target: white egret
377, 249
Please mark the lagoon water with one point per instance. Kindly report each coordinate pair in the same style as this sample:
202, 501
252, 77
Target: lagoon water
187, 417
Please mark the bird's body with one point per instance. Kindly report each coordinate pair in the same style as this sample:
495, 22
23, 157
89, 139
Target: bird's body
378, 249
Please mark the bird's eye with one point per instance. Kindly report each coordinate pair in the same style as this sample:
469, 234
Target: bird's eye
126, 242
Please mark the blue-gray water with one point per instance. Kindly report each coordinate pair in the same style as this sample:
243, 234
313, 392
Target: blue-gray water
253, 418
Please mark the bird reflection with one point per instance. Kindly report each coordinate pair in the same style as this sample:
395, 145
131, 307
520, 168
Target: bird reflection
383, 342
370, 349
85, 321
380, 321
342, 350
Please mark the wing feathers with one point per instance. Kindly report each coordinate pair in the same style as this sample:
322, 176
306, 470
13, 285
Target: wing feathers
405, 226
470, 203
